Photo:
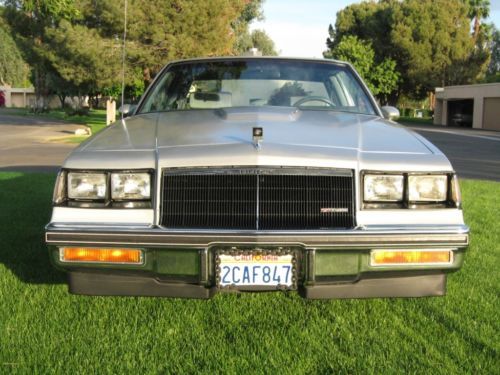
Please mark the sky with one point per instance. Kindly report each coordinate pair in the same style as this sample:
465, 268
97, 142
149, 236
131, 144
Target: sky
300, 27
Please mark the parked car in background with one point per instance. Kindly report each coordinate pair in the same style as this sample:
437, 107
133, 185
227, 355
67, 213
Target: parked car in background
462, 120
257, 174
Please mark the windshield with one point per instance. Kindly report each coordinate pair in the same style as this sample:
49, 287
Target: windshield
257, 82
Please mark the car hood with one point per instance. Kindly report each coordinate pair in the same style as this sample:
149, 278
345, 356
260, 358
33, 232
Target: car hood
290, 136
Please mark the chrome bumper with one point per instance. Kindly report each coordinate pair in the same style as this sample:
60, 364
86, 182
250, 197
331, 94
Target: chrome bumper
333, 264
362, 238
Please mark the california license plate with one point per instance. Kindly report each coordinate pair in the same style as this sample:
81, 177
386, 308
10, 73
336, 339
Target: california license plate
256, 270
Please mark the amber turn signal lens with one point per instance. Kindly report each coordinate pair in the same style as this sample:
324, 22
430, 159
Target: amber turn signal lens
411, 257
96, 255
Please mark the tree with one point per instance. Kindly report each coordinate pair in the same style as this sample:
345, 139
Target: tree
78, 43
29, 20
493, 73
381, 78
256, 39
13, 69
163, 30
429, 40
370, 21
252, 10
432, 37
478, 10
89, 67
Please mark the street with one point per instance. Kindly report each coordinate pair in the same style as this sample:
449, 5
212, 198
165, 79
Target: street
473, 153
27, 143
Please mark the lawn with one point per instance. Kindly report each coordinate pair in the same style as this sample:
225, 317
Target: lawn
43, 329
416, 120
96, 119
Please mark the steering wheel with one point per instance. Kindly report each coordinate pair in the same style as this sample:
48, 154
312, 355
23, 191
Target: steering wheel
306, 99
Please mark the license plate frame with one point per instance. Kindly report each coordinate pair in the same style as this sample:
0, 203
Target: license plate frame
233, 252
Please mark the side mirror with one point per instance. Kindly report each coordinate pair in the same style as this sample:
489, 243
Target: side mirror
390, 113
127, 109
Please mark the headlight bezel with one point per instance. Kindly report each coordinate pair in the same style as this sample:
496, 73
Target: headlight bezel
453, 198
61, 197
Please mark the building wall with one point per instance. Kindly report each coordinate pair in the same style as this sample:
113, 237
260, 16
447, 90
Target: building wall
25, 98
21, 100
479, 93
491, 119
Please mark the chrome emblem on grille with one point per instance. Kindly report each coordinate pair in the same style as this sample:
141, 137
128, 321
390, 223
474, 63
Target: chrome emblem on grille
328, 210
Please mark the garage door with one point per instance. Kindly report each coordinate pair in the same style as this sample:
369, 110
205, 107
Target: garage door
491, 118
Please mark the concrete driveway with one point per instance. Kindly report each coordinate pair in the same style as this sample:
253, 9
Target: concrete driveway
28, 143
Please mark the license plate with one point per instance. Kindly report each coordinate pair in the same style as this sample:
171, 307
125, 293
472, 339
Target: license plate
256, 270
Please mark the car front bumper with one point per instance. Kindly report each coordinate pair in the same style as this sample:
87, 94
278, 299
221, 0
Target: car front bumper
331, 264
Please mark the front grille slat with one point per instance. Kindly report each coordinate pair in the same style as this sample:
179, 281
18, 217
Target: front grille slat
258, 199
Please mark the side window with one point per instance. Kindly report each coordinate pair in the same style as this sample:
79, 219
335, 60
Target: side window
350, 93
157, 100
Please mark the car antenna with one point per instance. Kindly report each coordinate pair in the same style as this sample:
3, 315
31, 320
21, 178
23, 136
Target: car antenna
124, 124
123, 57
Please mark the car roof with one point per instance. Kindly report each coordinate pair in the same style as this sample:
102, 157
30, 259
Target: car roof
271, 58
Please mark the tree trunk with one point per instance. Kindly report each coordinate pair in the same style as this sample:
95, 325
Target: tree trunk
62, 98
477, 25
146, 73
37, 89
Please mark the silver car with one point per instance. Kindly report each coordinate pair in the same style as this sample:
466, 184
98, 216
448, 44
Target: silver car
257, 174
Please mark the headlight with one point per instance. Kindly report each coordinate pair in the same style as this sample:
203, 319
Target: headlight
104, 189
383, 188
130, 186
432, 188
83, 185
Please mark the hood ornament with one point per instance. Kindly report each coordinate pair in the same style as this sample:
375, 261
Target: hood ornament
258, 136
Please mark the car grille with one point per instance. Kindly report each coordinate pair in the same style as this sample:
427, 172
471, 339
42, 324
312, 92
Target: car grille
258, 199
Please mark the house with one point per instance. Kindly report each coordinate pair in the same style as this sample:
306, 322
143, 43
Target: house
474, 106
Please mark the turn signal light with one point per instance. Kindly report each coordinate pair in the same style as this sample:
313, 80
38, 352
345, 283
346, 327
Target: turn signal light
410, 257
97, 255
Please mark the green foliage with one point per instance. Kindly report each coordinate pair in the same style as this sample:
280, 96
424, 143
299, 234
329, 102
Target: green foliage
256, 39
429, 41
47, 9
82, 57
252, 10
477, 10
433, 38
493, 73
29, 20
13, 68
77, 44
381, 78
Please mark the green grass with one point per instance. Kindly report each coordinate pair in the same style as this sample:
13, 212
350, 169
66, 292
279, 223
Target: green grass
43, 329
416, 120
96, 119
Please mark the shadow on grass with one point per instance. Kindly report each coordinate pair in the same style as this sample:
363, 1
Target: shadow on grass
25, 201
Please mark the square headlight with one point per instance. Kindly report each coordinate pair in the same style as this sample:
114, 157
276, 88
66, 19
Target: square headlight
130, 186
383, 188
430, 188
83, 185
